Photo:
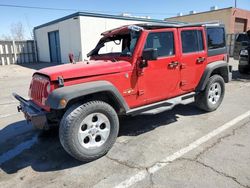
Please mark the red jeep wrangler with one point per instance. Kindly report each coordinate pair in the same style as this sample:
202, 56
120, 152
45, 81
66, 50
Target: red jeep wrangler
148, 66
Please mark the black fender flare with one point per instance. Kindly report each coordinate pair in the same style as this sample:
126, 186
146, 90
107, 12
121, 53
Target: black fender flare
224, 68
80, 90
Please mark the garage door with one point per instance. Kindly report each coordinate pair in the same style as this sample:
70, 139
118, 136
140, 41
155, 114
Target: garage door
240, 25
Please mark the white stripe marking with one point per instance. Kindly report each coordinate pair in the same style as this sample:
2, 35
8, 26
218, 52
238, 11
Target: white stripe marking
143, 173
9, 103
7, 115
17, 150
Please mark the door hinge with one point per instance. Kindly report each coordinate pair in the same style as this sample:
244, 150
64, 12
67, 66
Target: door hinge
183, 66
140, 73
140, 92
183, 83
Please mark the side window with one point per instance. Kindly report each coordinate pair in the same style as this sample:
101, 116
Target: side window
163, 41
192, 41
243, 37
111, 47
200, 40
216, 38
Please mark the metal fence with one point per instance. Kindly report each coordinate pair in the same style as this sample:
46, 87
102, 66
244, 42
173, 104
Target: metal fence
17, 52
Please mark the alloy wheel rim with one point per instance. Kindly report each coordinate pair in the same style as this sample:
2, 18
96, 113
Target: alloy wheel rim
94, 131
214, 93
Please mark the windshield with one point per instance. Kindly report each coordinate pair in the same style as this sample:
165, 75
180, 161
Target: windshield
119, 45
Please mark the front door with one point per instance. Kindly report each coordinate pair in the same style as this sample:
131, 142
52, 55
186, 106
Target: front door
159, 80
193, 57
54, 46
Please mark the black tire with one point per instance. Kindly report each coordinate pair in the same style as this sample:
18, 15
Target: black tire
71, 124
242, 70
203, 99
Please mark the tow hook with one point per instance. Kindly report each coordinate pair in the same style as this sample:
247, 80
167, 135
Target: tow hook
19, 108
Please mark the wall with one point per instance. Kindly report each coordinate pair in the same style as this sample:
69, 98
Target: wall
78, 35
92, 27
69, 33
239, 13
226, 16
222, 15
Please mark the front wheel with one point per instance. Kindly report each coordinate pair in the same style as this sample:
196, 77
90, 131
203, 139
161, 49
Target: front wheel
88, 131
211, 98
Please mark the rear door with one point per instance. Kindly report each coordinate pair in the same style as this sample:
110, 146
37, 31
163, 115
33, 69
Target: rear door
193, 58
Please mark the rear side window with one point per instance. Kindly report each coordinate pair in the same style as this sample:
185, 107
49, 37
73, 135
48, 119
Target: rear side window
192, 41
163, 41
216, 38
243, 37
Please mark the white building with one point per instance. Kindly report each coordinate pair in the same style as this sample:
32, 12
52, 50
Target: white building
77, 33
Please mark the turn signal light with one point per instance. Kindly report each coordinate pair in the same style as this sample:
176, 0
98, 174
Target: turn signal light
63, 102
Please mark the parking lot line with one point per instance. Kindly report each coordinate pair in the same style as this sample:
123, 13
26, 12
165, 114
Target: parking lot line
9, 103
164, 162
7, 115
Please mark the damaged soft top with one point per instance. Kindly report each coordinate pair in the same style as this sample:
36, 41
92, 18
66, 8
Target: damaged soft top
123, 29
115, 34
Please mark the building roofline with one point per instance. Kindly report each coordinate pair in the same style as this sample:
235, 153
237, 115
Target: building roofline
88, 14
200, 13
57, 20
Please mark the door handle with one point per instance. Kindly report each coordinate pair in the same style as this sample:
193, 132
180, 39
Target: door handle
200, 59
173, 64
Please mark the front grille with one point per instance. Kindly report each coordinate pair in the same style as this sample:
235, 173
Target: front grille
37, 88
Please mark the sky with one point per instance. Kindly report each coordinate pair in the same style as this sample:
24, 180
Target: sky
156, 9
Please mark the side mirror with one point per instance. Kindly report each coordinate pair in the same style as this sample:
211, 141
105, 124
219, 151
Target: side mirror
150, 54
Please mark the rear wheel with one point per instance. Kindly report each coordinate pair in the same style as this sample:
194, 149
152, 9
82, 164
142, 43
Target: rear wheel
88, 131
211, 98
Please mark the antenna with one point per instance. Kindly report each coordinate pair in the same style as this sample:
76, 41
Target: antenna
235, 3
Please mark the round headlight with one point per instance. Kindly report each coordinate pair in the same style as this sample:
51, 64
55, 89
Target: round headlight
48, 88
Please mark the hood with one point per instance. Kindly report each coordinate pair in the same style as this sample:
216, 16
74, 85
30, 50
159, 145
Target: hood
86, 68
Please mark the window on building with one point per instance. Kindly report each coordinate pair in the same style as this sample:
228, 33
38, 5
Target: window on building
162, 41
216, 38
192, 41
240, 25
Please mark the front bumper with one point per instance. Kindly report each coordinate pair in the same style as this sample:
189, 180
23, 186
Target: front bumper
32, 113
